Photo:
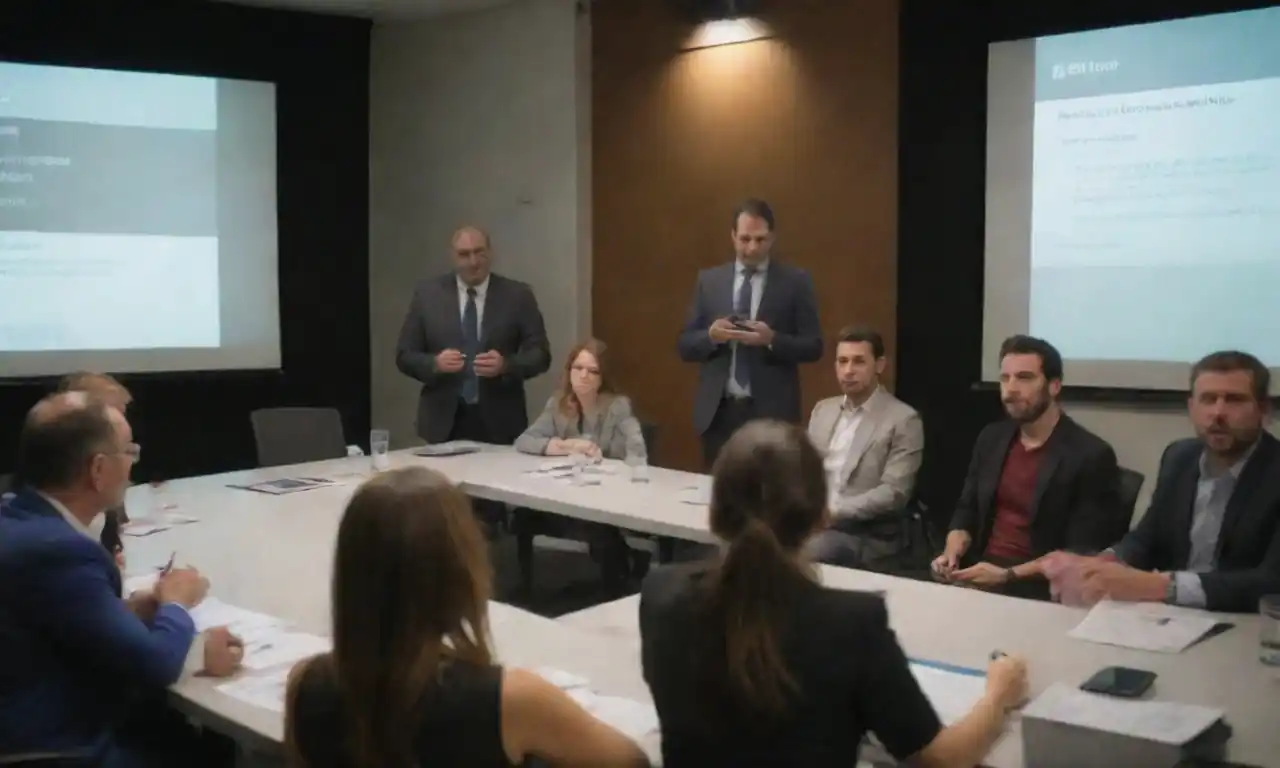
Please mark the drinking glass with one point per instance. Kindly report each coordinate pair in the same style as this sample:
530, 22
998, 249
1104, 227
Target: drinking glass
638, 468
1269, 635
379, 445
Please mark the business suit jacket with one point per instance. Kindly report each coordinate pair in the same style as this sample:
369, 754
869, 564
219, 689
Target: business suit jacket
71, 651
617, 431
880, 465
1248, 562
512, 324
1075, 505
788, 306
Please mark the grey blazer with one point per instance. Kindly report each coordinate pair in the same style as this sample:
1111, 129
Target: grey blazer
615, 430
880, 467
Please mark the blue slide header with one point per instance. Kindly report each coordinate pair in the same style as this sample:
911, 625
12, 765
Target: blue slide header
1205, 50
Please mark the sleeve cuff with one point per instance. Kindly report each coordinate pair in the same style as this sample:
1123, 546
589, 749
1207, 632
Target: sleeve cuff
1188, 590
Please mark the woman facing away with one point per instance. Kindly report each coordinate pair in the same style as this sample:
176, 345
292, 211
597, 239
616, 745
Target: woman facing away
411, 680
588, 417
752, 662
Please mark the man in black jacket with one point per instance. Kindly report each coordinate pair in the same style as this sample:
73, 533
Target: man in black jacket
1211, 537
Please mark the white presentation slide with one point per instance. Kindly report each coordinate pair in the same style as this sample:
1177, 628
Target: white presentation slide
1133, 211
137, 222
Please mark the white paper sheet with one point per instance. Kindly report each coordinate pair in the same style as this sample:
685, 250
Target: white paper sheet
633, 718
696, 495
274, 647
1145, 627
242, 623
1166, 722
265, 691
952, 694
142, 582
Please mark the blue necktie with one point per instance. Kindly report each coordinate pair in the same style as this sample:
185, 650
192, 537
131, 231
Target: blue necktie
470, 348
742, 308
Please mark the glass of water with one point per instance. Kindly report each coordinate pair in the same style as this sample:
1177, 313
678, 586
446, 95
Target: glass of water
638, 468
379, 445
1269, 634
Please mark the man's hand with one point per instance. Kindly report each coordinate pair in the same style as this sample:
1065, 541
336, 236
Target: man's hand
944, 565
144, 605
760, 335
223, 653
489, 364
723, 330
450, 361
184, 586
1116, 581
983, 575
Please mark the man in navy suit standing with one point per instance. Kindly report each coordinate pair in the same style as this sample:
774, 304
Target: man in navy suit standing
75, 658
751, 324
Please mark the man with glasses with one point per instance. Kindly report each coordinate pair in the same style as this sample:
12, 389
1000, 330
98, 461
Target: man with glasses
84, 671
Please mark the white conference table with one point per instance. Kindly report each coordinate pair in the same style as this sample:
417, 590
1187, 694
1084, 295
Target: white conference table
961, 626
273, 554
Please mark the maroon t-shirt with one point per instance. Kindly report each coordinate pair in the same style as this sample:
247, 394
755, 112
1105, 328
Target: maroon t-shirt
1011, 531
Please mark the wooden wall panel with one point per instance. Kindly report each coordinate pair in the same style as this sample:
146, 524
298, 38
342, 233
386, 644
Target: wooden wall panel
806, 120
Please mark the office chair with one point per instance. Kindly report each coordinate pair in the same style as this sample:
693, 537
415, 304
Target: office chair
297, 435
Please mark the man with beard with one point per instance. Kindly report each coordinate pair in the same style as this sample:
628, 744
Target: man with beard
872, 444
1038, 482
1211, 537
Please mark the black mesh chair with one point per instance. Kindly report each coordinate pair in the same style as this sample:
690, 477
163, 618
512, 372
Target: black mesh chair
297, 435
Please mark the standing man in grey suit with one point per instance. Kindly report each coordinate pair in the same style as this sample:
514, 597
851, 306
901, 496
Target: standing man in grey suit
751, 324
472, 338
873, 443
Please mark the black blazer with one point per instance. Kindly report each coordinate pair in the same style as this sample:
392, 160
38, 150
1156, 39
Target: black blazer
1076, 503
852, 678
512, 324
788, 306
1249, 542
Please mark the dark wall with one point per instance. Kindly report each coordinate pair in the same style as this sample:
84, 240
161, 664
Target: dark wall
942, 166
199, 423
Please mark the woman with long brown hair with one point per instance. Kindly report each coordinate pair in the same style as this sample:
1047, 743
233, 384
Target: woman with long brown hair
752, 662
411, 680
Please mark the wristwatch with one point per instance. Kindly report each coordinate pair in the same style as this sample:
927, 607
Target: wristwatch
1171, 591
1010, 575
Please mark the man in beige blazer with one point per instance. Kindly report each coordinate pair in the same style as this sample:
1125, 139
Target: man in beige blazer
873, 443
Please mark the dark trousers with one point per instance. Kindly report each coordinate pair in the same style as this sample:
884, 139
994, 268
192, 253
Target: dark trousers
732, 414
469, 424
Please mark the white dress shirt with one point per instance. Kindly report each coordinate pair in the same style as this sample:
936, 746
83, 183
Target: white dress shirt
91, 531
481, 291
841, 438
732, 387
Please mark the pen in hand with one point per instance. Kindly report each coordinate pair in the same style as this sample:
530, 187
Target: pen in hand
168, 567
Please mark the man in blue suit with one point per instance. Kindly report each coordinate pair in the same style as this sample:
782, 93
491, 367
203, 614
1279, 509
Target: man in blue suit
74, 656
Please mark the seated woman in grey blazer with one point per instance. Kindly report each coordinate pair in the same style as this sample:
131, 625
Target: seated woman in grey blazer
585, 416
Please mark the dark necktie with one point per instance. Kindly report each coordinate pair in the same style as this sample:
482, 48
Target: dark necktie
470, 348
742, 308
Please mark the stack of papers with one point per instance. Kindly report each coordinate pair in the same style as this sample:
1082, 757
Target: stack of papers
1165, 722
952, 691
155, 523
452, 448
633, 718
1144, 626
286, 485
695, 494
268, 641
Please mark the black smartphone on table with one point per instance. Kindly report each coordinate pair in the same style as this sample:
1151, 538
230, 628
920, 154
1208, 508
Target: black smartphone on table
1124, 682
